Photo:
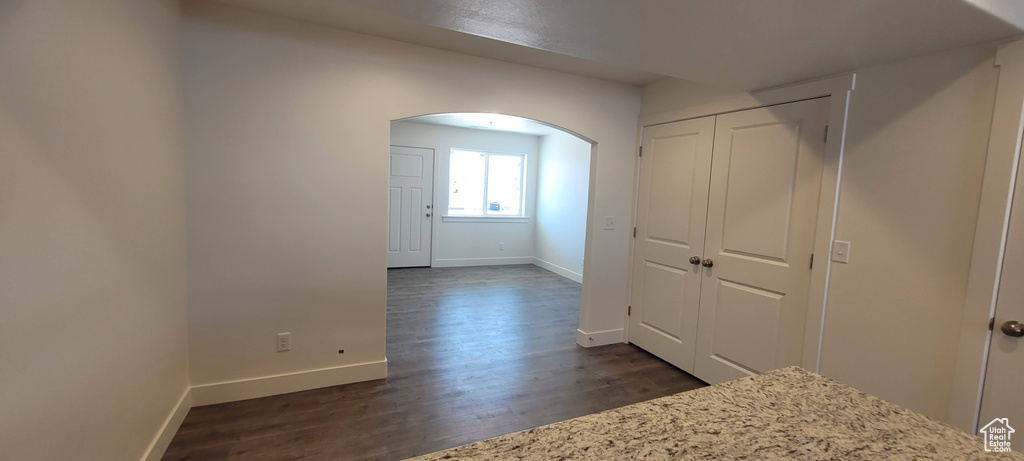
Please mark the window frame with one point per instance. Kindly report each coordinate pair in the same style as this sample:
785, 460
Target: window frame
520, 217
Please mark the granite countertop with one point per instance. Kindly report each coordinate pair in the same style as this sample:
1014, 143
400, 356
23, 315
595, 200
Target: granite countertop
785, 414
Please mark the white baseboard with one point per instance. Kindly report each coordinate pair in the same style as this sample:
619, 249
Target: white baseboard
163, 437
467, 262
230, 391
574, 276
599, 338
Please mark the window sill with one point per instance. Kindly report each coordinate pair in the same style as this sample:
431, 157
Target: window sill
490, 219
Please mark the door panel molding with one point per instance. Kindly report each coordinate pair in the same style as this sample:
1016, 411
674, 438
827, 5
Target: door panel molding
664, 188
748, 320
764, 170
667, 323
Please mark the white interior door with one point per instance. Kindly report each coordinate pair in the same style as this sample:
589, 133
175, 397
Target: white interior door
673, 196
763, 202
410, 206
1004, 377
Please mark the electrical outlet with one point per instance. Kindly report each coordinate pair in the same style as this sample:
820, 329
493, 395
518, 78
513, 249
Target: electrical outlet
284, 342
501, 246
609, 223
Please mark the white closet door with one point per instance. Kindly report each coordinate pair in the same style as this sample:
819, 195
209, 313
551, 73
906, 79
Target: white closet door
763, 203
673, 196
410, 198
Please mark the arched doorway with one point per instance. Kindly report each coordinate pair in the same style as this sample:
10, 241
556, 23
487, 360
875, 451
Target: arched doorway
487, 235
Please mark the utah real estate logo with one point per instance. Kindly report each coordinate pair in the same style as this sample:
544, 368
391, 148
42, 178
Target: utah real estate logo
997, 435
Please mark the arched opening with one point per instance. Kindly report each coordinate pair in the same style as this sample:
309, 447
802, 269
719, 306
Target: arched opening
487, 237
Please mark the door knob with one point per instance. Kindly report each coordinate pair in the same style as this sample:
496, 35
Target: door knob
707, 263
694, 259
428, 207
428, 215
1013, 328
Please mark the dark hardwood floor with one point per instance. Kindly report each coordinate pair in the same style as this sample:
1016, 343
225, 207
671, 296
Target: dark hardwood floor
473, 353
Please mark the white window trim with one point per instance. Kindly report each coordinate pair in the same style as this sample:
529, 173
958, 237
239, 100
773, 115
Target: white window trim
467, 218
521, 217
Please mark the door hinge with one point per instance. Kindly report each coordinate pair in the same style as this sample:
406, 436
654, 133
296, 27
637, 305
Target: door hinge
812, 261
629, 311
634, 232
991, 324
825, 139
641, 151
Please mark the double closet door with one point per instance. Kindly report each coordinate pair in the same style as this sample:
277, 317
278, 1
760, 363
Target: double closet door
724, 240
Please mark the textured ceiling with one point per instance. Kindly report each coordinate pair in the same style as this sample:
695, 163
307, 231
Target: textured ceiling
748, 44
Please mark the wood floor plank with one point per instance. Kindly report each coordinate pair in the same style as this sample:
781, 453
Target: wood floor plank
473, 353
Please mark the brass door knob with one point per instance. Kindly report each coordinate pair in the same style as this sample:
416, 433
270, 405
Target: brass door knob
1013, 328
694, 259
707, 263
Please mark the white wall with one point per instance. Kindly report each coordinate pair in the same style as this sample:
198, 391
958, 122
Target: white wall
912, 172
673, 93
562, 188
911, 180
474, 243
287, 134
93, 353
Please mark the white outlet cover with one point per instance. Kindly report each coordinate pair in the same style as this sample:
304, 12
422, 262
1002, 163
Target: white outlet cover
284, 342
841, 251
609, 222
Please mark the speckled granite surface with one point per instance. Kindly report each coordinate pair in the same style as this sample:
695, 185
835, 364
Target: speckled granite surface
785, 414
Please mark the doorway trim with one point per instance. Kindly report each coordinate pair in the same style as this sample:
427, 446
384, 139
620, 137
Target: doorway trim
838, 88
1001, 166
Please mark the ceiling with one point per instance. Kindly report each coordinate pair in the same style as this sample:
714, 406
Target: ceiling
371, 21
745, 44
490, 122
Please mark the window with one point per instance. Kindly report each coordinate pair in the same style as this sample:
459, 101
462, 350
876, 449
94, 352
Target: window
485, 184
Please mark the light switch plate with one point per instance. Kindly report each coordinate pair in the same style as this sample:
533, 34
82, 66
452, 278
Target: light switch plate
609, 223
841, 251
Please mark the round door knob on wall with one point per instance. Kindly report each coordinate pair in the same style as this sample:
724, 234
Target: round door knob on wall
1013, 328
694, 259
707, 263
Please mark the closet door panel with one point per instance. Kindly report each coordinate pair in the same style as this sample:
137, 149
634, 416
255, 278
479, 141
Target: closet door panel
759, 191
763, 201
671, 214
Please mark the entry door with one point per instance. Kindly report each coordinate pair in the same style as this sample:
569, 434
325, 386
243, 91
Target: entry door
673, 194
1004, 378
763, 203
410, 206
